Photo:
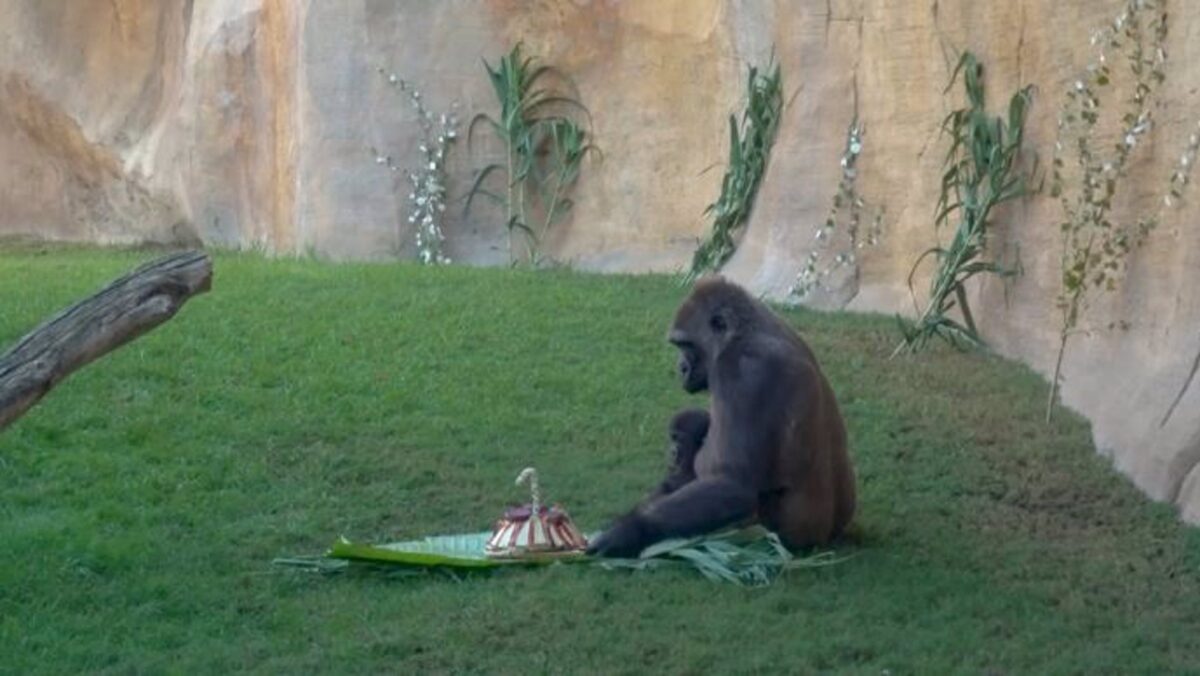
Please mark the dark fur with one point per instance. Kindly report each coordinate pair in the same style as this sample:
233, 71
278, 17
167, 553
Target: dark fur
687, 430
775, 450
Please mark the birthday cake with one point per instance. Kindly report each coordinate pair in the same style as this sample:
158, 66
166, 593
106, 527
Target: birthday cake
534, 528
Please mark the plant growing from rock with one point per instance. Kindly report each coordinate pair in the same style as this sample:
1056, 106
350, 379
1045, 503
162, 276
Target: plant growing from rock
814, 273
567, 145
544, 147
749, 150
427, 195
1087, 172
981, 173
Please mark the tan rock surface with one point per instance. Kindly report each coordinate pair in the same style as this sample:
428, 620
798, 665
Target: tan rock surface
251, 123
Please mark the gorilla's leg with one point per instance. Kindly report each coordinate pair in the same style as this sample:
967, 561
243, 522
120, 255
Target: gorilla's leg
676, 478
802, 519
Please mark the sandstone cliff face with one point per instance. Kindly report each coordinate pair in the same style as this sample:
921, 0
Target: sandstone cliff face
252, 123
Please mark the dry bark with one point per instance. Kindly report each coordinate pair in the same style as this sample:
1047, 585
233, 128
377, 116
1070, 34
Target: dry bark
95, 326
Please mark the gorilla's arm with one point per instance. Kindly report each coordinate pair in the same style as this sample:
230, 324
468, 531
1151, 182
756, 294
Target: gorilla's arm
676, 478
747, 423
751, 410
702, 506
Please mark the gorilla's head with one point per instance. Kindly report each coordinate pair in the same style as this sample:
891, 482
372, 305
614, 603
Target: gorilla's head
709, 319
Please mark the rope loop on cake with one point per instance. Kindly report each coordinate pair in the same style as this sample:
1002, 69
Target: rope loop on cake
529, 475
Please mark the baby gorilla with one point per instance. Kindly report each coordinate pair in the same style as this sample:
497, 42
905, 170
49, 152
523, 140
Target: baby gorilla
688, 429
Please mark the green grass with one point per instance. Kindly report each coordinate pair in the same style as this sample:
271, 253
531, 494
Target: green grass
142, 501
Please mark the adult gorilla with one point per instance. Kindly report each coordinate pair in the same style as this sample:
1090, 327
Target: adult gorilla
775, 451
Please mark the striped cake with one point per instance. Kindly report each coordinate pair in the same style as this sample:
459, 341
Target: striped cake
533, 529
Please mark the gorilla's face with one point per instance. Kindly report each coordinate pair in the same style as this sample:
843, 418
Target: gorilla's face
693, 366
704, 326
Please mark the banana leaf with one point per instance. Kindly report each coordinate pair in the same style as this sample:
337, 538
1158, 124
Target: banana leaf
455, 551
751, 557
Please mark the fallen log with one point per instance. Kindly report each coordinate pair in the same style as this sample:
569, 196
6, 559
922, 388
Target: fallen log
95, 326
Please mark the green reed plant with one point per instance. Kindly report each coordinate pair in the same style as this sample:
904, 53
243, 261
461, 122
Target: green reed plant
982, 172
1087, 172
544, 147
568, 145
749, 150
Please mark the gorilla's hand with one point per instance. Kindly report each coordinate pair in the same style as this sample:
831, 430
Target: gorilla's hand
625, 539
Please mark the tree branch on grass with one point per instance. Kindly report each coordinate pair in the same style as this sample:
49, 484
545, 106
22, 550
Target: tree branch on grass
95, 326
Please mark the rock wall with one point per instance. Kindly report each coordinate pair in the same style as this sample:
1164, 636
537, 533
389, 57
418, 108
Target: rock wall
251, 123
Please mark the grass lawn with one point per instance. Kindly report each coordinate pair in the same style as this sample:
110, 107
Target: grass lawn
142, 501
